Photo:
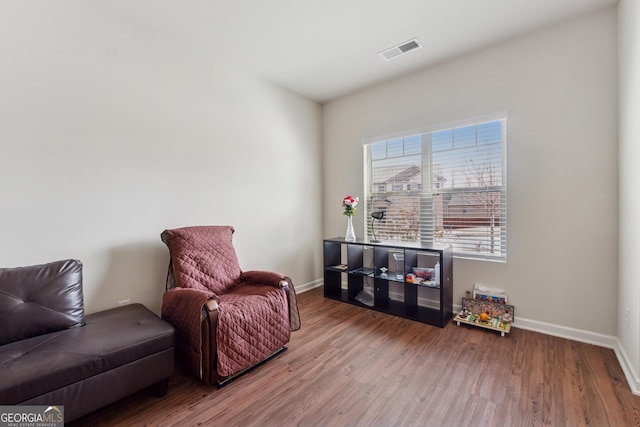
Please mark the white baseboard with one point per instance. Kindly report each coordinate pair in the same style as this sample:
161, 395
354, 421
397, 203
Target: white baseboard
567, 332
627, 367
308, 286
574, 334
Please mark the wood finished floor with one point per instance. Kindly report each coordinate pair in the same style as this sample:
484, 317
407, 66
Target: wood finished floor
350, 366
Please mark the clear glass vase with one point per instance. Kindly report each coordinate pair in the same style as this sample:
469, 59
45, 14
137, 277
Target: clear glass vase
351, 234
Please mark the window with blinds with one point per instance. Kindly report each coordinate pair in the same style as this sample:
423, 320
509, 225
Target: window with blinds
444, 186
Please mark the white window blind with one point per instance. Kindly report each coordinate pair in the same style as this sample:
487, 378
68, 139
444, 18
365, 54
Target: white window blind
442, 186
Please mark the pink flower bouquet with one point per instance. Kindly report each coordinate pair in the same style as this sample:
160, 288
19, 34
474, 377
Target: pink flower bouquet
349, 204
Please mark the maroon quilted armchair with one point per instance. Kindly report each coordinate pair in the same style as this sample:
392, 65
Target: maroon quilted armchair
227, 320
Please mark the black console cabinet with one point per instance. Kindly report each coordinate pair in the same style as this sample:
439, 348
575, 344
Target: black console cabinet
352, 274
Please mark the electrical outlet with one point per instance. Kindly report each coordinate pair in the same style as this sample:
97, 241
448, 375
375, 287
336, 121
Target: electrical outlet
124, 302
626, 316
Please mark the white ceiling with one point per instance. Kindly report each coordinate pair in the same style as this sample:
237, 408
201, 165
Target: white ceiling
323, 49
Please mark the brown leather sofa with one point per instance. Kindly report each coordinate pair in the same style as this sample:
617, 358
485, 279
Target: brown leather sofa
52, 354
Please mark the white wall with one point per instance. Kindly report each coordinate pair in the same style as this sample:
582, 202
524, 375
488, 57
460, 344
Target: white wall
559, 87
111, 133
629, 140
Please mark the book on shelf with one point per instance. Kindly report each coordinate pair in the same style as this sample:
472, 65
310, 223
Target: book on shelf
341, 267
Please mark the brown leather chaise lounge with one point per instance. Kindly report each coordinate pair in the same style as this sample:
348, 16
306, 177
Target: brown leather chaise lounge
52, 354
227, 320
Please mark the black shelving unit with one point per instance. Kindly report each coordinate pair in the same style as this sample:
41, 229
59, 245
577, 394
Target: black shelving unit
354, 268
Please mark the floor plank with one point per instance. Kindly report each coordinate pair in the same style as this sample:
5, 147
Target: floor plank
350, 366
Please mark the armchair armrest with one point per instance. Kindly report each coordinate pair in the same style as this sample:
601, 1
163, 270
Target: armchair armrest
188, 311
177, 301
270, 278
276, 280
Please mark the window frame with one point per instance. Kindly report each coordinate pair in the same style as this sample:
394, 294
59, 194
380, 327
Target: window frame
427, 228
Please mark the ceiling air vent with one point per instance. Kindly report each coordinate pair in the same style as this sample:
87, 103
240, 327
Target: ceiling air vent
401, 49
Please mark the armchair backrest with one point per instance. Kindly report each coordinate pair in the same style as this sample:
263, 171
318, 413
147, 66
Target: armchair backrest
203, 257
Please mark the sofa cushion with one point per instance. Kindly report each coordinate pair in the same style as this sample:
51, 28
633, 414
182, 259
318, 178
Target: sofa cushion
40, 299
203, 257
109, 339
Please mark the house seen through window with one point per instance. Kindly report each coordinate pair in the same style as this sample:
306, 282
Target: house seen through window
445, 186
